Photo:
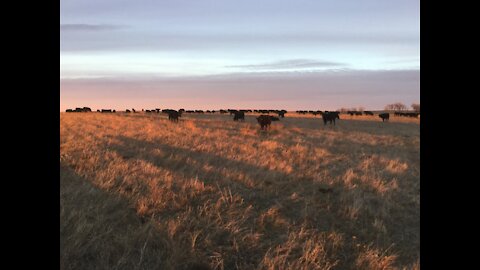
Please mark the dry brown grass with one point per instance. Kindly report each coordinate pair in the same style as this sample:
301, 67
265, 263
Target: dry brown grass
211, 190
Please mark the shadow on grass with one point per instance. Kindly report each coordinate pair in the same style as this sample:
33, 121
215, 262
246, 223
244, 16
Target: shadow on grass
99, 230
273, 189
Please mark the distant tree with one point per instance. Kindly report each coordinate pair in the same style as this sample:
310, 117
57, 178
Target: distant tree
398, 106
416, 107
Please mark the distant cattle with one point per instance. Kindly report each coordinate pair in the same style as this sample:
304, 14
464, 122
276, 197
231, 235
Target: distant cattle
133, 110
352, 113
127, 111
384, 116
106, 111
368, 113
330, 117
98, 110
238, 116
265, 121
69, 110
173, 116
281, 114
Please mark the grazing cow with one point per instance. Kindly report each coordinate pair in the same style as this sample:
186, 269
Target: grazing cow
239, 116
384, 116
98, 110
106, 111
133, 110
265, 121
173, 116
69, 110
127, 110
368, 113
330, 117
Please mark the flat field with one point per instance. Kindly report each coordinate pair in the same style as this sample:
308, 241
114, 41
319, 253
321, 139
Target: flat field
141, 192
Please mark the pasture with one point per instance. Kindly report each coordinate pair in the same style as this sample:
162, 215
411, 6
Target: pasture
141, 192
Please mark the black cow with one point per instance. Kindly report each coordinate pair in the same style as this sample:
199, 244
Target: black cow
265, 121
106, 110
133, 110
384, 116
368, 113
173, 116
238, 116
87, 109
330, 117
281, 114
69, 110
127, 111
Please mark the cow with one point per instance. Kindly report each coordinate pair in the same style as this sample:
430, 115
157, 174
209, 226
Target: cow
281, 114
69, 110
239, 116
330, 117
87, 109
265, 121
106, 110
273, 118
173, 116
127, 111
133, 110
368, 113
384, 116
98, 110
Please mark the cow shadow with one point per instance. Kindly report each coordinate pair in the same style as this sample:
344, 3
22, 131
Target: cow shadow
265, 189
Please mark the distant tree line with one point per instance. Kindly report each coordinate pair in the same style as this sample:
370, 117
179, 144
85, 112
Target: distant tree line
398, 106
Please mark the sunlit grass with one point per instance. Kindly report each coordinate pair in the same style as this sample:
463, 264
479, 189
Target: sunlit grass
299, 196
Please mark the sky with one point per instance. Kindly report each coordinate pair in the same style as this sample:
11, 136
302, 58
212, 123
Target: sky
212, 54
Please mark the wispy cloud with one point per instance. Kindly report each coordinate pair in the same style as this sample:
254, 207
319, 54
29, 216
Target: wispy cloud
90, 27
290, 64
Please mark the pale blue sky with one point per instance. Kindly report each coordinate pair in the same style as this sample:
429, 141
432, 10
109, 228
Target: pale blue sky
320, 47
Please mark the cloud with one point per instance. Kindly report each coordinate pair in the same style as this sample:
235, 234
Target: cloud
290, 64
89, 27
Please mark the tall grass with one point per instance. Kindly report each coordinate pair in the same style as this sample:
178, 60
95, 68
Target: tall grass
226, 194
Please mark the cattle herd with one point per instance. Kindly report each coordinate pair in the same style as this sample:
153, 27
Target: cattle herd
264, 120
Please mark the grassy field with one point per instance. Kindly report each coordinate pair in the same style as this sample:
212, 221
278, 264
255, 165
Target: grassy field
140, 192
